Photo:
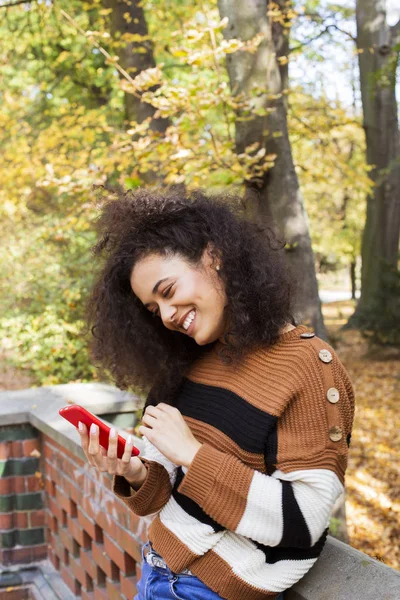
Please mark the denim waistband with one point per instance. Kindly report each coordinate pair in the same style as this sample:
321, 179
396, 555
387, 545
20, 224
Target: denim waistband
155, 560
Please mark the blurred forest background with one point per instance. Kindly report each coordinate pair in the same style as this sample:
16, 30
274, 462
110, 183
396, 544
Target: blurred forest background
292, 103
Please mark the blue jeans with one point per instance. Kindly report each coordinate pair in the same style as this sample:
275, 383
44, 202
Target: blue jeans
157, 583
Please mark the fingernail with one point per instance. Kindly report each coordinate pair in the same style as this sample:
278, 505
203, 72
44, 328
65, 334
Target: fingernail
93, 428
80, 426
113, 432
130, 439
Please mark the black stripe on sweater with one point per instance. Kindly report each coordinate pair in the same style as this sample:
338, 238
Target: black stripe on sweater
295, 530
190, 506
277, 553
243, 423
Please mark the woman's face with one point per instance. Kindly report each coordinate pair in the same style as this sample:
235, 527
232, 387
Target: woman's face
188, 299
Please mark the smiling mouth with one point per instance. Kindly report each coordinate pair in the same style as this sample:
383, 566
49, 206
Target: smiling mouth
189, 320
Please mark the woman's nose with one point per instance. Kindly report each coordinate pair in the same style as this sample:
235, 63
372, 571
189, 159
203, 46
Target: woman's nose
167, 314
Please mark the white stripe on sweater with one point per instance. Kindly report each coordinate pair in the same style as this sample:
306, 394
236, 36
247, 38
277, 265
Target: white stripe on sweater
150, 452
198, 537
249, 564
262, 519
315, 491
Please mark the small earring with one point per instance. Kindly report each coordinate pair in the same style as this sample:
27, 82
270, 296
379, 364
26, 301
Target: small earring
217, 268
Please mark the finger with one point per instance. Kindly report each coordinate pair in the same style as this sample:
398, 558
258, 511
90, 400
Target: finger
167, 408
153, 411
94, 447
82, 430
146, 431
127, 455
112, 450
149, 420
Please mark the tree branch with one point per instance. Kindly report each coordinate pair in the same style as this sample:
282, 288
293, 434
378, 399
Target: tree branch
321, 33
10, 4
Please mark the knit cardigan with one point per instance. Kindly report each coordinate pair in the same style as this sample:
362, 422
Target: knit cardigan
250, 516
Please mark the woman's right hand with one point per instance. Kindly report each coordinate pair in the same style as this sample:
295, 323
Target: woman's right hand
130, 467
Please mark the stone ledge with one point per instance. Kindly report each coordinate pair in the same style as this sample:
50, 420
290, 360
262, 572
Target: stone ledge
344, 573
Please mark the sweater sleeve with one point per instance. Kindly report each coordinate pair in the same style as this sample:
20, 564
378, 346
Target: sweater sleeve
156, 489
261, 507
292, 506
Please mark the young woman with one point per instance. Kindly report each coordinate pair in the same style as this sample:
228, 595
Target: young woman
248, 418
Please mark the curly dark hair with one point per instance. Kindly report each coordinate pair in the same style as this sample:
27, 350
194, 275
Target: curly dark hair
137, 349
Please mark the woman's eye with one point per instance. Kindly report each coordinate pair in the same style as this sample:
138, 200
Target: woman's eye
167, 291
165, 294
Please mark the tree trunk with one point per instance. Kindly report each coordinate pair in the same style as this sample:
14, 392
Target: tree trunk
380, 242
134, 56
276, 194
353, 279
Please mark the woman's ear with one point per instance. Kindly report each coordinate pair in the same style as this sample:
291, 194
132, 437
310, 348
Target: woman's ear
211, 257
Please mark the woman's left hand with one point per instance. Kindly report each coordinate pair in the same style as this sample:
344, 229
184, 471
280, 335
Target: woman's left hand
165, 427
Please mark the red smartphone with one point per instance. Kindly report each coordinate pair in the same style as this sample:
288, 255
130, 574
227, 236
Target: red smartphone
75, 413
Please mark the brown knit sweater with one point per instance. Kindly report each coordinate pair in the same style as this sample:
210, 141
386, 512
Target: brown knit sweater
250, 515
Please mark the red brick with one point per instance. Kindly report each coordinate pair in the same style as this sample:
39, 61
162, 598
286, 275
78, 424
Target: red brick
30, 445
7, 521
66, 539
113, 589
100, 594
121, 558
19, 484
128, 586
53, 558
128, 519
21, 519
77, 570
86, 558
49, 485
6, 485
69, 580
87, 595
127, 542
65, 502
22, 554
101, 558
52, 473
138, 571
37, 518
16, 449
92, 509
39, 552
74, 458
74, 489
51, 522
34, 483
5, 557
107, 481
57, 547
54, 508
47, 451
5, 450
87, 523
123, 517
78, 533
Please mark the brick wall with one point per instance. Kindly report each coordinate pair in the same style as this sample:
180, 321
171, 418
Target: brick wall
94, 540
22, 501
54, 505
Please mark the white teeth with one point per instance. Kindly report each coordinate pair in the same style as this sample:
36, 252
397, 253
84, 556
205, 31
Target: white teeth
187, 322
